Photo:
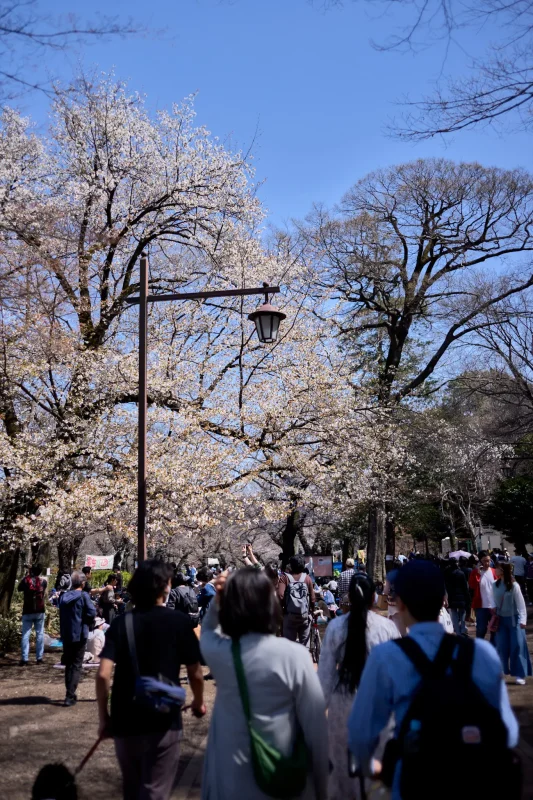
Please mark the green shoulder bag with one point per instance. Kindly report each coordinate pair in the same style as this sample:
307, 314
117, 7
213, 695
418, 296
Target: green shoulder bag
275, 774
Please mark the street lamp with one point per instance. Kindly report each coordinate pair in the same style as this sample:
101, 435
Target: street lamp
266, 318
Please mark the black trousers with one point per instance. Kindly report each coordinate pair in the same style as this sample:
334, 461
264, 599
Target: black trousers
73, 660
149, 764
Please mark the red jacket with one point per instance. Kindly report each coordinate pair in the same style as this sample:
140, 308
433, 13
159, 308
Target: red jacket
474, 583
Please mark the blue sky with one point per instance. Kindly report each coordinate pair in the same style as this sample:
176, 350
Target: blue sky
306, 84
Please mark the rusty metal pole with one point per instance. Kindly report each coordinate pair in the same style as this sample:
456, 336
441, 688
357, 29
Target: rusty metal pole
141, 476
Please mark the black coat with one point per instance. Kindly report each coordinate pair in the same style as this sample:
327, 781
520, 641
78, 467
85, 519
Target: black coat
457, 588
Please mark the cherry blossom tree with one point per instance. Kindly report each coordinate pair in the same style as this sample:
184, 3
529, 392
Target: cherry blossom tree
231, 422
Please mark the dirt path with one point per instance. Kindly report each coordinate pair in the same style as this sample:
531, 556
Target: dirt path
35, 729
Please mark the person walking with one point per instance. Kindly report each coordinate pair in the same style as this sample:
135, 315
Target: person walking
108, 600
398, 671
481, 580
297, 597
519, 569
183, 598
347, 642
147, 742
529, 579
343, 584
286, 703
76, 614
458, 596
510, 638
207, 592
33, 611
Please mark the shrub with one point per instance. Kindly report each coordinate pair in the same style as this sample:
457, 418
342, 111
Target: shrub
10, 631
98, 577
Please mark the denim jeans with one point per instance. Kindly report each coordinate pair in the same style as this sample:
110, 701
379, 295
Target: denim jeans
483, 616
512, 648
458, 616
28, 621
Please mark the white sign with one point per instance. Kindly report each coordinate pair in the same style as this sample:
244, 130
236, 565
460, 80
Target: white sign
213, 562
99, 562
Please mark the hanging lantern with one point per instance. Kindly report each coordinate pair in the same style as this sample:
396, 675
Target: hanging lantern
267, 319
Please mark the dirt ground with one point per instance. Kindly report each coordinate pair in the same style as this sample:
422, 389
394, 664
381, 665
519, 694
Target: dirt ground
35, 730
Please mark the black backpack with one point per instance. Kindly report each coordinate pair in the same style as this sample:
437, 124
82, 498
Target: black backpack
451, 722
189, 603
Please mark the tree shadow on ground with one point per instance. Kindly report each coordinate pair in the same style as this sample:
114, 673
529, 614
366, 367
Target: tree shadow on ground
32, 700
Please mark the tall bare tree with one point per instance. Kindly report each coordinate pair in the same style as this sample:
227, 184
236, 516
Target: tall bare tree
403, 267
28, 35
498, 87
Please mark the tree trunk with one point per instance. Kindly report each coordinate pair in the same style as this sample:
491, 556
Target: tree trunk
40, 554
289, 535
65, 555
375, 556
9, 563
390, 532
347, 549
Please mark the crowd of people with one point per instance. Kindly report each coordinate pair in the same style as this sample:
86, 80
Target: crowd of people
397, 680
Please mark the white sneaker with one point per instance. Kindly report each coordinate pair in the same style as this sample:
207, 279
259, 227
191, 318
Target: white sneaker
520, 681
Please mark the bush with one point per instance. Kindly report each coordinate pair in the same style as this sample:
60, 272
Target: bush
51, 620
10, 631
11, 625
99, 577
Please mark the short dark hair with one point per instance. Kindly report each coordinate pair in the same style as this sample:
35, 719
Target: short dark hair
482, 554
111, 578
36, 570
54, 780
420, 585
180, 579
149, 582
297, 564
86, 570
204, 575
248, 604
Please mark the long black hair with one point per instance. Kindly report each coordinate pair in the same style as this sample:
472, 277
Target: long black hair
361, 594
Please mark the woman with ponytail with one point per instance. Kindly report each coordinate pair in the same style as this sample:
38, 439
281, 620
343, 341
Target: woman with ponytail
348, 640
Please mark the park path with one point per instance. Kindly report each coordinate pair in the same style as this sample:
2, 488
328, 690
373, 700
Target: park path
35, 730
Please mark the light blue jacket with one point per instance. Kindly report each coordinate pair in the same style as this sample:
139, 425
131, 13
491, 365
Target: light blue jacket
389, 681
510, 603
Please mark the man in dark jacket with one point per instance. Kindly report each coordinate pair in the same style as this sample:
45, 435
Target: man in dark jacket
76, 613
183, 598
458, 596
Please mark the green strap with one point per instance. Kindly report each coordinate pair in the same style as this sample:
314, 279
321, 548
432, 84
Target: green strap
241, 679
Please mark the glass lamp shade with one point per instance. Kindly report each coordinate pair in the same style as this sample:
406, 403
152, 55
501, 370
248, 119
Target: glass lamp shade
267, 319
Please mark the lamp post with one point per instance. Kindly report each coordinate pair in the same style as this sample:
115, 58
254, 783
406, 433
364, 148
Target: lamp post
266, 318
